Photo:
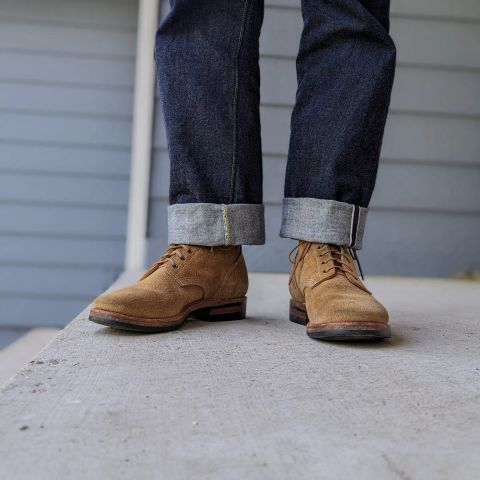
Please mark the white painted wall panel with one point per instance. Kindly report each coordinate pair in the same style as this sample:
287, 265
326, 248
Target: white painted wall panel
65, 160
64, 69
97, 41
88, 13
66, 86
106, 102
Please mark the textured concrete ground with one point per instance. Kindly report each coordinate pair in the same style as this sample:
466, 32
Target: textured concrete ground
14, 356
256, 399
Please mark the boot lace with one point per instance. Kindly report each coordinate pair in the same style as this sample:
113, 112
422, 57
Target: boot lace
173, 253
354, 255
338, 260
294, 249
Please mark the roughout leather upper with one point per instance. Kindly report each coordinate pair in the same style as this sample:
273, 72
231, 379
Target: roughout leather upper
331, 294
191, 274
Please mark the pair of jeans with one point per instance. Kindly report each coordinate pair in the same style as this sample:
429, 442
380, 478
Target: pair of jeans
207, 54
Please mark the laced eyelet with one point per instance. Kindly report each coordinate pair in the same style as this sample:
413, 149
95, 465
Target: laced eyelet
188, 250
175, 266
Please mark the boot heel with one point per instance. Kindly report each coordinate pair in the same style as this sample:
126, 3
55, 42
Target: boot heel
228, 311
298, 313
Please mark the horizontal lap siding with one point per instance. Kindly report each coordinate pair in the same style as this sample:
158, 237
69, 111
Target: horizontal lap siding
66, 93
428, 190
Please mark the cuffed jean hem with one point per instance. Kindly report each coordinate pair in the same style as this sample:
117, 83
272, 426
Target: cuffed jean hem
323, 221
213, 224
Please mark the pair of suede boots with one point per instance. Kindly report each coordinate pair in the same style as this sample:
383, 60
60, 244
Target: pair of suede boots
210, 283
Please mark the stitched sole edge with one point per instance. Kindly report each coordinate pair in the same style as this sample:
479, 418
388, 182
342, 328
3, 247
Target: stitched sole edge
340, 331
233, 309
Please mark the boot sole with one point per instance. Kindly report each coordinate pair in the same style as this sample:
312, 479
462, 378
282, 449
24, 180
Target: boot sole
339, 331
209, 310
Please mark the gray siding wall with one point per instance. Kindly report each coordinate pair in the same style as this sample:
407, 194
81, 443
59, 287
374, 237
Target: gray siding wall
425, 214
66, 84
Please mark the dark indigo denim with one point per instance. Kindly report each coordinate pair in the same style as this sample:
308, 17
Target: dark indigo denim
345, 70
208, 74
209, 79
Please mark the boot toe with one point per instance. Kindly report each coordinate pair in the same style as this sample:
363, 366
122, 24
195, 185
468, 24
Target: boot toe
347, 319
144, 303
122, 301
338, 309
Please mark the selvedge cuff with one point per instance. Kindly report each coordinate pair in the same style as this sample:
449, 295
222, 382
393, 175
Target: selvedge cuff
213, 224
323, 221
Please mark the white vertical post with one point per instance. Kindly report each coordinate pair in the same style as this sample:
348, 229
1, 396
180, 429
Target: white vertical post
143, 112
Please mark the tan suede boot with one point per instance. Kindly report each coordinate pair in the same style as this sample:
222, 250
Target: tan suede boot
206, 282
329, 297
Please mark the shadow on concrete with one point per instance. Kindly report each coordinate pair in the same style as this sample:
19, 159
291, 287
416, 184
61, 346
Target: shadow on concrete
397, 339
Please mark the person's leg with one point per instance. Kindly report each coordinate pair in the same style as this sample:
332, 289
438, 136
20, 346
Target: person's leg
345, 70
208, 75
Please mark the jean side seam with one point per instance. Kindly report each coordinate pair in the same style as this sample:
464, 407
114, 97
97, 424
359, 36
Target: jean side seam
235, 100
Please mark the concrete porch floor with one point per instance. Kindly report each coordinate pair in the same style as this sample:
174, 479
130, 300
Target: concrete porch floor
256, 399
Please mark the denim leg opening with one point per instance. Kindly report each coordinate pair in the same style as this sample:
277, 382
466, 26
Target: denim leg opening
323, 221
214, 224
